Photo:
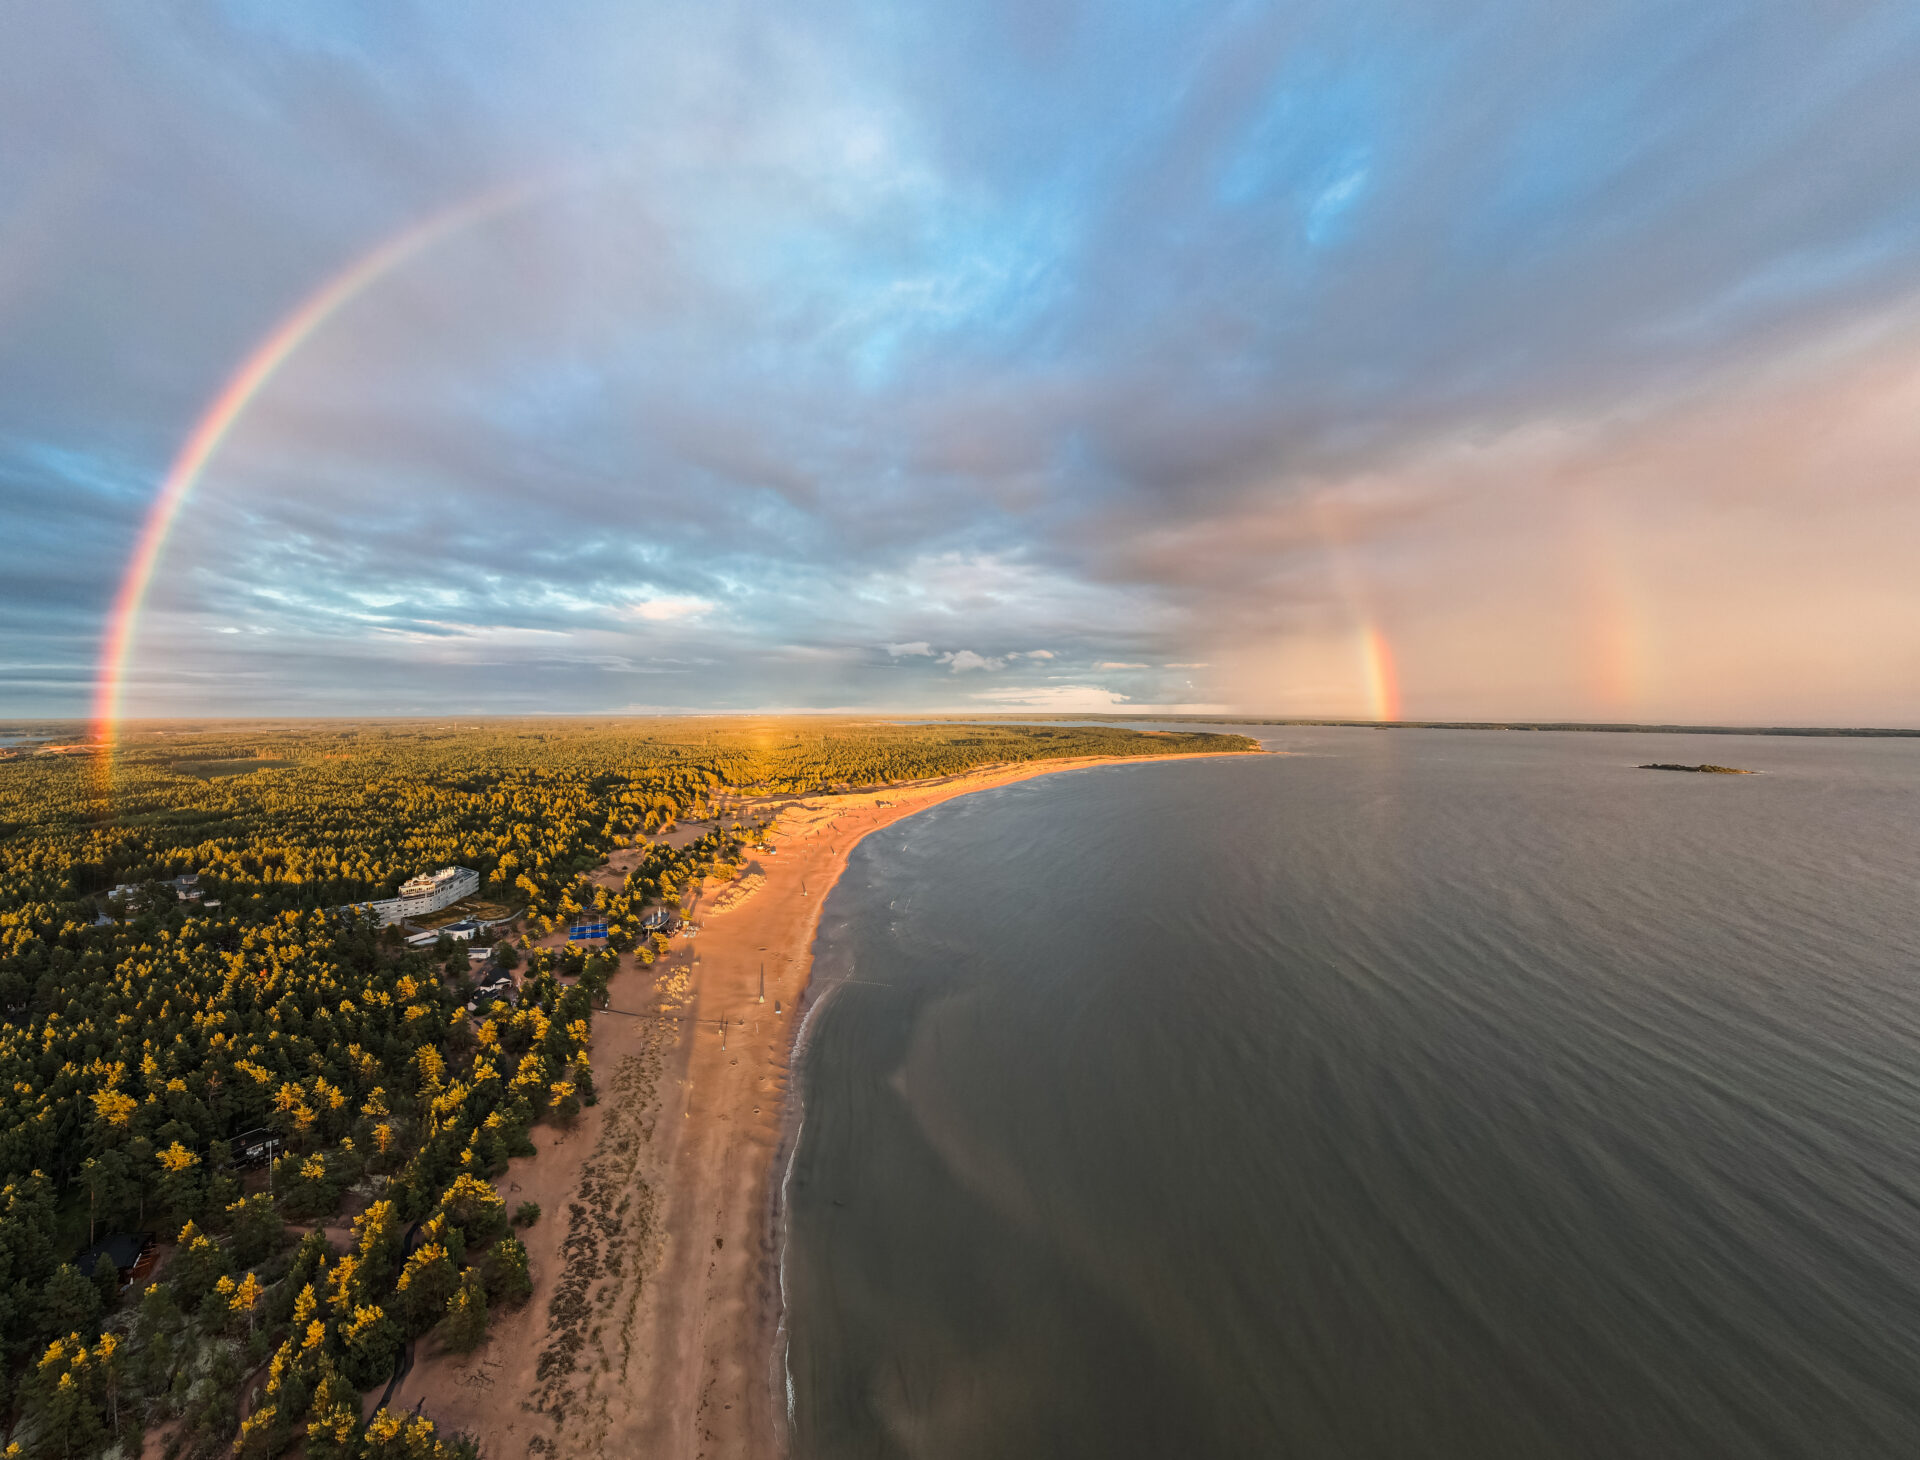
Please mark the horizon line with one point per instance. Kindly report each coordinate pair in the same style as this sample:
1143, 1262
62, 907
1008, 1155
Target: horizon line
847, 713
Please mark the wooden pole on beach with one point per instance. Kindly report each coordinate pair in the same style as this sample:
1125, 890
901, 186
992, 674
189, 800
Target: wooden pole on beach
763, 982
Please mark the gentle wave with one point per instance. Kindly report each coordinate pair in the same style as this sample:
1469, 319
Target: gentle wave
1429, 1093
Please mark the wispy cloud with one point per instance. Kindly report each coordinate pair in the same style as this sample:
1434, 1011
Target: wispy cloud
1192, 344
1055, 699
667, 610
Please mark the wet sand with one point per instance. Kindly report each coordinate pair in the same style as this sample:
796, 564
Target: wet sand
654, 1324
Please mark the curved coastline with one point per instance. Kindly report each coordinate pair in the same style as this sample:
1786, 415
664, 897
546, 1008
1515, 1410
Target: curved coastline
793, 1111
658, 1320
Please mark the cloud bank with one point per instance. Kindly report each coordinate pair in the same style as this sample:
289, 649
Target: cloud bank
1553, 365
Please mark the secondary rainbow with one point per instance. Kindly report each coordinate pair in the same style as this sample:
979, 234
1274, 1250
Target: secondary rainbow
239, 391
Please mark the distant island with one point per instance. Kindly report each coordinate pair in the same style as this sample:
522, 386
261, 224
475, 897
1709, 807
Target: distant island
1711, 770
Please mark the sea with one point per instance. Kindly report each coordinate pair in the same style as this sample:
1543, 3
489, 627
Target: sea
1406, 1093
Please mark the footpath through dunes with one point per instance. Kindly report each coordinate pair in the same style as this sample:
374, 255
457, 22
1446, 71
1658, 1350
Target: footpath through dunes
656, 1309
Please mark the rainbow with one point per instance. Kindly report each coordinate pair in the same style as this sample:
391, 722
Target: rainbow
216, 423
1379, 679
1382, 681
1620, 650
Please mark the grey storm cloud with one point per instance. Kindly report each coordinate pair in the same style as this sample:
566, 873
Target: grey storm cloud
836, 357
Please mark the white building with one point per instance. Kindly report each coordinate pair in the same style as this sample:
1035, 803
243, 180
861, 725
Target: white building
427, 893
186, 888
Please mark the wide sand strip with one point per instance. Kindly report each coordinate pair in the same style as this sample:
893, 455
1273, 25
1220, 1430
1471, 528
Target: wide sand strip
655, 1313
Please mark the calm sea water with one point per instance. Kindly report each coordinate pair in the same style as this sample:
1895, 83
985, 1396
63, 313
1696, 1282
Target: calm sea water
1454, 1094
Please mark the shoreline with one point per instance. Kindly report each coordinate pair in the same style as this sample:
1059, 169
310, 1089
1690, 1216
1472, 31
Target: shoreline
658, 1321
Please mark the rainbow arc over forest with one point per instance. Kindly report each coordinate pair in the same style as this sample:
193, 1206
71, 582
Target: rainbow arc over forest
217, 421
1619, 653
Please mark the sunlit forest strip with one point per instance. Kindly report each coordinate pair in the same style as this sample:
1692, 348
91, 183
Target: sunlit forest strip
154, 1041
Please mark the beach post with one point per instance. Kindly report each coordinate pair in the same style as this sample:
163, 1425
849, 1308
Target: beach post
763, 982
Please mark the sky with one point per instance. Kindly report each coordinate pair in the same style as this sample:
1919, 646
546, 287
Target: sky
1365, 359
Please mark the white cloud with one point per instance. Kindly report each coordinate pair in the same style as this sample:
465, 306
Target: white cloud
452, 633
1056, 697
918, 646
1068, 699
668, 610
1116, 664
1031, 654
961, 660
1194, 664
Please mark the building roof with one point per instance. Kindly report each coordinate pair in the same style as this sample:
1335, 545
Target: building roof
429, 882
123, 1249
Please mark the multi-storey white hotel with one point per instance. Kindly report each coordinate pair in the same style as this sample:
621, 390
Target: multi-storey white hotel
427, 893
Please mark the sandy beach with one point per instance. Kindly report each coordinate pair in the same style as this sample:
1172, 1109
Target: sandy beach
654, 1322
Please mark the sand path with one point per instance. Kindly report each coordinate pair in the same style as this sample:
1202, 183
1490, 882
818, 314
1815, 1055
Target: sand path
652, 1330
